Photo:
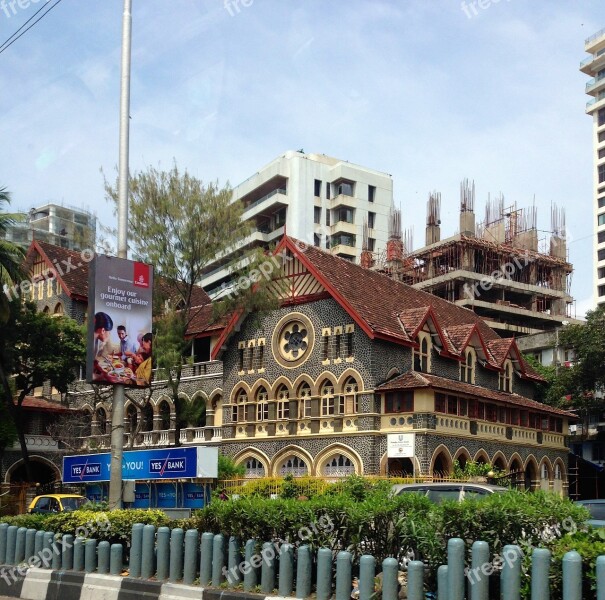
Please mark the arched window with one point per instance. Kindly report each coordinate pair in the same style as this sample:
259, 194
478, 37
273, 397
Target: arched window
543, 471
164, 410
339, 466
349, 400
505, 378
86, 424
59, 309
101, 420
147, 418
467, 367
262, 404
239, 408
254, 468
131, 417
304, 400
558, 473
46, 309
283, 402
295, 466
327, 399
421, 354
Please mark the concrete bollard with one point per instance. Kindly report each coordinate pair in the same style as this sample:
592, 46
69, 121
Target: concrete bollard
510, 577
303, 572
20, 545
176, 555
286, 569
267, 576
116, 560
103, 552
478, 581
30, 544
234, 559
344, 580
47, 550
390, 569
324, 574
163, 553
190, 564
67, 552
136, 549
56, 560
601, 578
455, 569
11, 544
415, 580
90, 556
147, 551
367, 572
218, 559
206, 558
540, 570
3, 532
79, 554
572, 576
38, 543
442, 591
250, 576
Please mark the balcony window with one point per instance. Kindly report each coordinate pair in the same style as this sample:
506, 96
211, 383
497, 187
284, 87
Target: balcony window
601, 153
343, 239
601, 290
304, 400
262, 406
399, 402
601, 173
317, 214
440, 403
601, 116
601, 237
371, 244
327, 400
283, 403
601, 219
347, 215
345, 188
317, 188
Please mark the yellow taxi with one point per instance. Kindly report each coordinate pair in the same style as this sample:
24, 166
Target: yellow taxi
54, 503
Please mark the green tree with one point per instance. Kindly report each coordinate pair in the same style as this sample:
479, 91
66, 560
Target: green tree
179, 225
227, 469
11, 256
36, 348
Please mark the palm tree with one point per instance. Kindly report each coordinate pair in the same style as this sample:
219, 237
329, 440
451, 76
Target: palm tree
11, 257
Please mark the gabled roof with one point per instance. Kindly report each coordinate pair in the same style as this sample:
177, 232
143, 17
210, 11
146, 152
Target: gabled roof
72, 272
383, 307
203, 322
34, 404
414, 380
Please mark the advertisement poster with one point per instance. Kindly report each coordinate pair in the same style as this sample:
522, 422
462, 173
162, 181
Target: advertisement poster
120, 341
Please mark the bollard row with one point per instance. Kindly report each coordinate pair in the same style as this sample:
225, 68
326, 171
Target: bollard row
175, 555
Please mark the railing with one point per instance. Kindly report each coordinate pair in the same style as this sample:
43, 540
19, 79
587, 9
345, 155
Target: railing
592, 82
38, 442
266, 197
595, 36
197, 435
596, 99
162, 554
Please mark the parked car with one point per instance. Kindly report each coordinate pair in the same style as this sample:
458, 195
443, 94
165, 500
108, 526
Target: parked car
54, 503
438, 492
596, 508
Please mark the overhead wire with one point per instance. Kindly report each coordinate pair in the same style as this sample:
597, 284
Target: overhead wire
10, 41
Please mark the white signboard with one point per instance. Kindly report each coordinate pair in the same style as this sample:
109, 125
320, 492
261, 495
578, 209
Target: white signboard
400, 445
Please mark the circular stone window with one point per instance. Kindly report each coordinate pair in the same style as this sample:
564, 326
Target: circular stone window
293, 340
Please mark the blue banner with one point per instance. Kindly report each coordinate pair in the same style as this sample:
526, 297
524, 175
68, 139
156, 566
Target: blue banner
170, 463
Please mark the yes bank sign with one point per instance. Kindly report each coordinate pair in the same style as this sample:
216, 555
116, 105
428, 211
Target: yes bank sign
144, 464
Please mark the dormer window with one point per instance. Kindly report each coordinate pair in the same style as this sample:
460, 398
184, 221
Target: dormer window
467, 367
421, 355
505, 379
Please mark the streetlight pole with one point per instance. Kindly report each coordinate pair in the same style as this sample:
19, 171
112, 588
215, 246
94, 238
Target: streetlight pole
117, 410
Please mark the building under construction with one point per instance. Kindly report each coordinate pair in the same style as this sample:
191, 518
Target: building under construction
494, 267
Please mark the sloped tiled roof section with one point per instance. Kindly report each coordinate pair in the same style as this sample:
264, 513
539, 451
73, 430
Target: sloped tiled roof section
203, 322
413, 380
72, 271
42, 405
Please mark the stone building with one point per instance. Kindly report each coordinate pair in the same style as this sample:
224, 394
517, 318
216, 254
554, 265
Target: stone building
350, 356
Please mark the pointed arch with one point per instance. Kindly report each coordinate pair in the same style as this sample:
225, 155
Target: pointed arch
334, 451
350, 373
278, 383
237, 389
531, 472
481, 456
248, 456
384, 462
286, 454
304, 378
462, 455
499, 461
320, 382
262, 382
34, 458
441, 461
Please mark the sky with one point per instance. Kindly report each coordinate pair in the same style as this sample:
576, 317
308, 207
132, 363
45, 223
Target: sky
429, 91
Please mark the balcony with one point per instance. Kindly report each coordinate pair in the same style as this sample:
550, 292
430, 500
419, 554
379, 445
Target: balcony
274, 200
595, 42
343, 227
594, 63
41, 443
343, 200
596, 84
595, 103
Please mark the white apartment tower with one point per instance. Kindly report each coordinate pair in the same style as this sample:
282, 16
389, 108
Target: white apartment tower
315, 198
594, 65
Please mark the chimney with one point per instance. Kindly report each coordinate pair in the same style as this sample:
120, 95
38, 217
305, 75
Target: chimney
433, 219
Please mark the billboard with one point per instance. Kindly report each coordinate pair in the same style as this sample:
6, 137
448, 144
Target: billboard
169, 463
119, 349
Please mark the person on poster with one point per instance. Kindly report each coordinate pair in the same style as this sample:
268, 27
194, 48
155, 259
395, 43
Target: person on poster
143, 359
127, 348
102, 344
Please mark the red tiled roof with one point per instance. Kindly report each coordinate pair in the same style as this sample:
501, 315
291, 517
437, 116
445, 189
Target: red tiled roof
72, 272
459, 334
203, 322
413, 380
43, 405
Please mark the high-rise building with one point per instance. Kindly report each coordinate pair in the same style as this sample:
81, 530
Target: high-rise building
71, 228
321, 200
594, 65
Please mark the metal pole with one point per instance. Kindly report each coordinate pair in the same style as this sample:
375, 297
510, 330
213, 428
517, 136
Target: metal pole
117, 410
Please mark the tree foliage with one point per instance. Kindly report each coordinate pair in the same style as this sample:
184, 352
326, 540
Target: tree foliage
36, 348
